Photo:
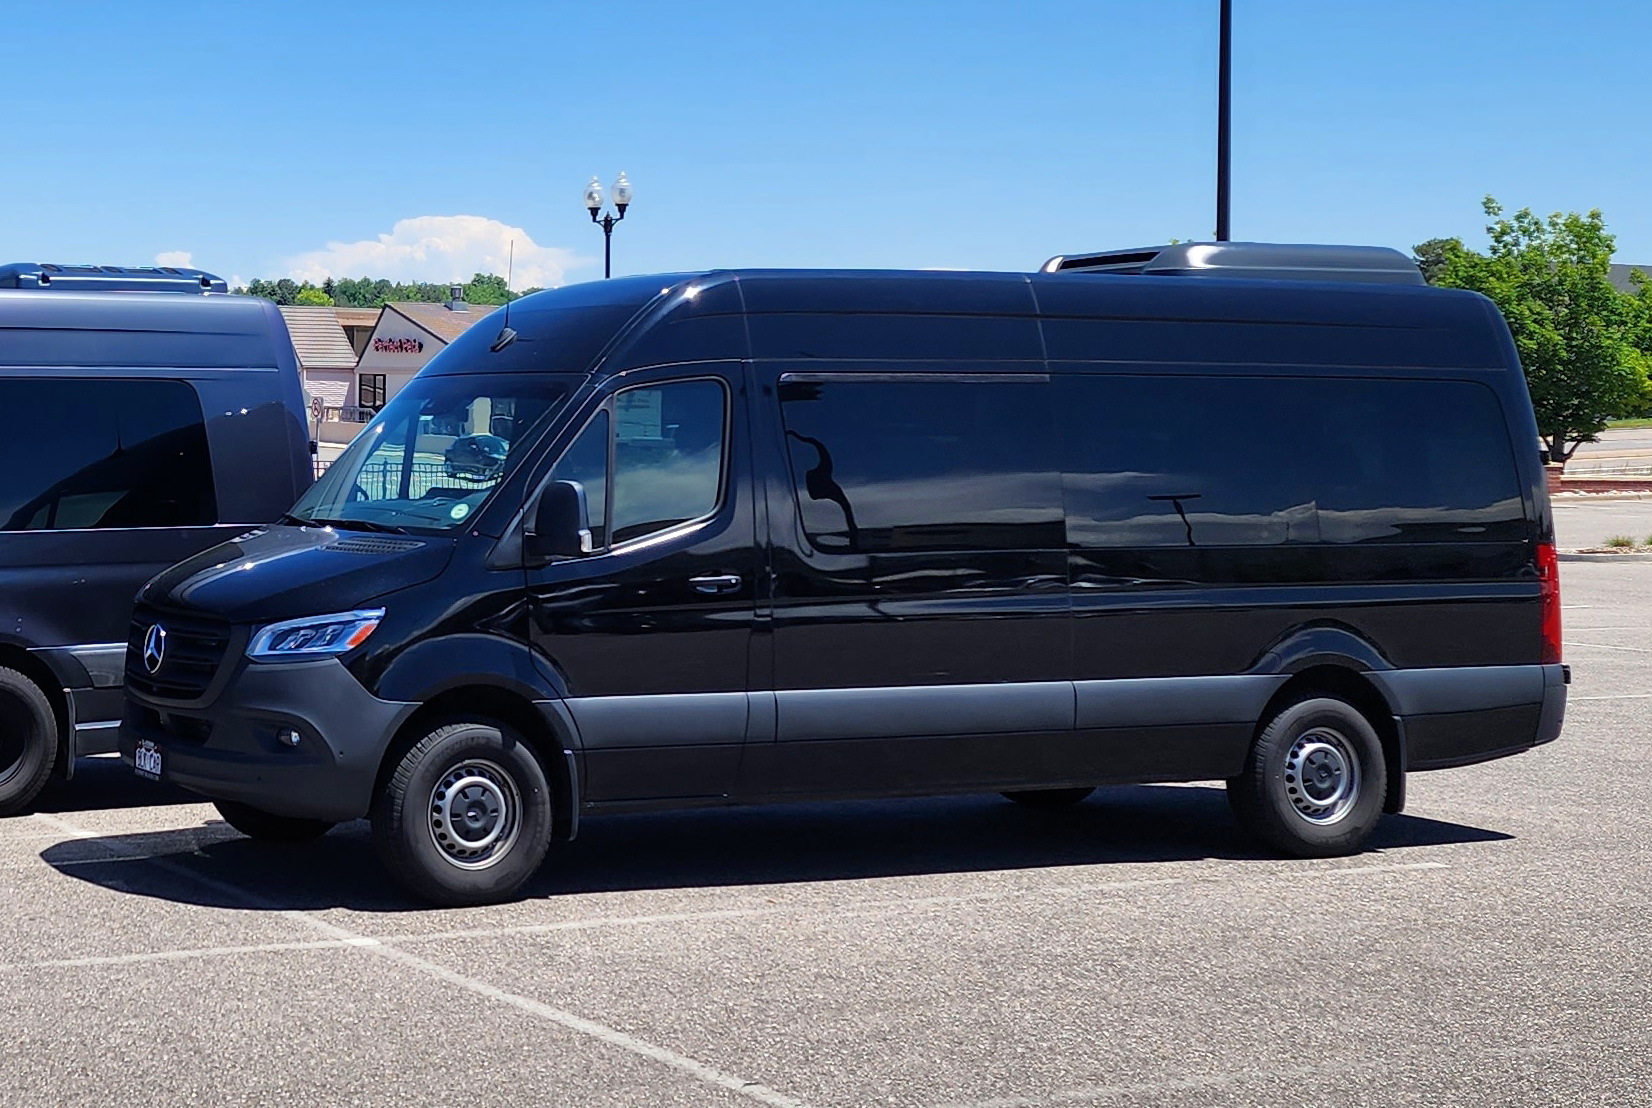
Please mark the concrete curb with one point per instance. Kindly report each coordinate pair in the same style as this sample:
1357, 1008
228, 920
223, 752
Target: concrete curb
1575, 556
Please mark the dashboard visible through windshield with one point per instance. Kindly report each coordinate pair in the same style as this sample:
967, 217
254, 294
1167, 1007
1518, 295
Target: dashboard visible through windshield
430, 459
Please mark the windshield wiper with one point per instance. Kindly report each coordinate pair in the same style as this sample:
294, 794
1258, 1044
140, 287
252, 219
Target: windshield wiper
294, 521
357, 525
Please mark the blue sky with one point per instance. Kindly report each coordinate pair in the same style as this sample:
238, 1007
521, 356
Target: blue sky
301, 138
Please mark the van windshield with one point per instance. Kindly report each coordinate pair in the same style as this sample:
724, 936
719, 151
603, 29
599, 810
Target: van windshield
429, 460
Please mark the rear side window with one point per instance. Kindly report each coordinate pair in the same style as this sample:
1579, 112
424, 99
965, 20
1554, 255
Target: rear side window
914, 463
78, 454
1192, 461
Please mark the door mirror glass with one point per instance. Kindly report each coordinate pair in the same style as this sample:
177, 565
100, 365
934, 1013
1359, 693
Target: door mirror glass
561, 523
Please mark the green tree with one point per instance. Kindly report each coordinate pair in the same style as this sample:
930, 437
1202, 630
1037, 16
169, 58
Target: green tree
1575, 332
1433, 257
488, 288
309, 294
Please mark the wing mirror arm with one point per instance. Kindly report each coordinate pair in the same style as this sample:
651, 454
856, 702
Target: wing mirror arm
560, 524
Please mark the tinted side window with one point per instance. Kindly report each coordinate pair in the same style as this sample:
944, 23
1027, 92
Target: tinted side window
101, 453
1191, 461
945, 463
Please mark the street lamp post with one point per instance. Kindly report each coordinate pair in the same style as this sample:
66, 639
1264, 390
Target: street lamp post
1224, 116
593, 203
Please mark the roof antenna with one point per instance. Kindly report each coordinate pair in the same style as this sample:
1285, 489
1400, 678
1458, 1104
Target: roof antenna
506, 335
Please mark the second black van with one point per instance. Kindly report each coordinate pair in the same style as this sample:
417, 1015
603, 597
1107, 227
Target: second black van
784, 535
148, 416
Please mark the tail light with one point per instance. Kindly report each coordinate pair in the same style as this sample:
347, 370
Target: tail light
1548, 574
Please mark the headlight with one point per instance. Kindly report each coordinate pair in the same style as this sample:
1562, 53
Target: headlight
314, 636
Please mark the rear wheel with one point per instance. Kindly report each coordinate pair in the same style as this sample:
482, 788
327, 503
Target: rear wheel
255, 823
28, 741
1048, 799
465, 815
1314, 781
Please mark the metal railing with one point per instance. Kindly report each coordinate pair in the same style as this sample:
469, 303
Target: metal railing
382, 480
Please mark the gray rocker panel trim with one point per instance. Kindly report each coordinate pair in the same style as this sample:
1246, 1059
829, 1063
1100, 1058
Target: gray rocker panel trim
920, 710
1161, 701
669, 719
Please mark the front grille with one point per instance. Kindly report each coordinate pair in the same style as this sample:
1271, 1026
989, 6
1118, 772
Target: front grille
195, 648
373, 546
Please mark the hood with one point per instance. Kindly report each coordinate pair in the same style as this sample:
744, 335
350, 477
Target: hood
283, 572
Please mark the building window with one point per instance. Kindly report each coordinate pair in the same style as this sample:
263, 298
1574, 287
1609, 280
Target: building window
371, 391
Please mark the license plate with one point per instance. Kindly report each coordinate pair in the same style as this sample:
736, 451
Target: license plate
146, 760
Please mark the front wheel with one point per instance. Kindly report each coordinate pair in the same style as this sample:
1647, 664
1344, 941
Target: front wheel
465, 815
1314, 781
28, 741
255, 823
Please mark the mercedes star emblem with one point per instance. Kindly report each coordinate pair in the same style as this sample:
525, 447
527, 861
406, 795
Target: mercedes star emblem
154, 648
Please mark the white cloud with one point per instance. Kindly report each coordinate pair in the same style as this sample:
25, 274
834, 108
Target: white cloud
179, 258
439, 248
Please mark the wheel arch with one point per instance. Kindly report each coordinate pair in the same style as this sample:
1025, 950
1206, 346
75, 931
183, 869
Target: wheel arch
1343, 679
545, 729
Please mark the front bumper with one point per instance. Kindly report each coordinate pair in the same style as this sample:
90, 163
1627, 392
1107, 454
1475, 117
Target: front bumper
227, 749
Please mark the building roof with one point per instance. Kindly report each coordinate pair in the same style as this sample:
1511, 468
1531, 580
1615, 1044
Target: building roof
440, 320
1620, 275
318, 338
357, 317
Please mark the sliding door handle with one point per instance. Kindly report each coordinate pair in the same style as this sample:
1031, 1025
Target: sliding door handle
726, 582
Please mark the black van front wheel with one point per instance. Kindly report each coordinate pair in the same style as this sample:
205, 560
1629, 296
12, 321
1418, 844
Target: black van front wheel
1314, 781
465, 815
28, 741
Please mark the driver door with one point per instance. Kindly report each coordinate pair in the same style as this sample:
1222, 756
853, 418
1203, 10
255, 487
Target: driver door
649, 633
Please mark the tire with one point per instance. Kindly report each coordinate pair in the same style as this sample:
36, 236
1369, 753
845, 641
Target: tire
1314, 781
481, 853
28, 741
1048, 800
255, 823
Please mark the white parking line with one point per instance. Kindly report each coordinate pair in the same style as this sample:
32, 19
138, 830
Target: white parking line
175, 955
752, 1090
1613, 696
339, 937
1609, 646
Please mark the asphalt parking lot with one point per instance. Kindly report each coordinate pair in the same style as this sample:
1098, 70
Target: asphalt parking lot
1494, 947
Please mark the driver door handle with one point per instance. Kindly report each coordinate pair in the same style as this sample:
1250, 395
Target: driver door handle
726, 582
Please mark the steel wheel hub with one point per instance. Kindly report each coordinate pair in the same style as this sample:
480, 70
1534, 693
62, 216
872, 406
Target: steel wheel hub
475, 812
1322, 776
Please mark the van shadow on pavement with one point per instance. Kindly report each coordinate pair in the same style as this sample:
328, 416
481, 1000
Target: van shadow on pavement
106, 783
728, 847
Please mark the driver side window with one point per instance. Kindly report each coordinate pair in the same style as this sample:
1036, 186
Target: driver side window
666, 445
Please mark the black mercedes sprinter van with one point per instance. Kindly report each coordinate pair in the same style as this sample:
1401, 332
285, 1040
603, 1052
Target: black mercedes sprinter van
783, 535
146, 419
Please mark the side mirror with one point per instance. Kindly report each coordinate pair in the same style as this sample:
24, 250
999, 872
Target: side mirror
1543, 453
561, 525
